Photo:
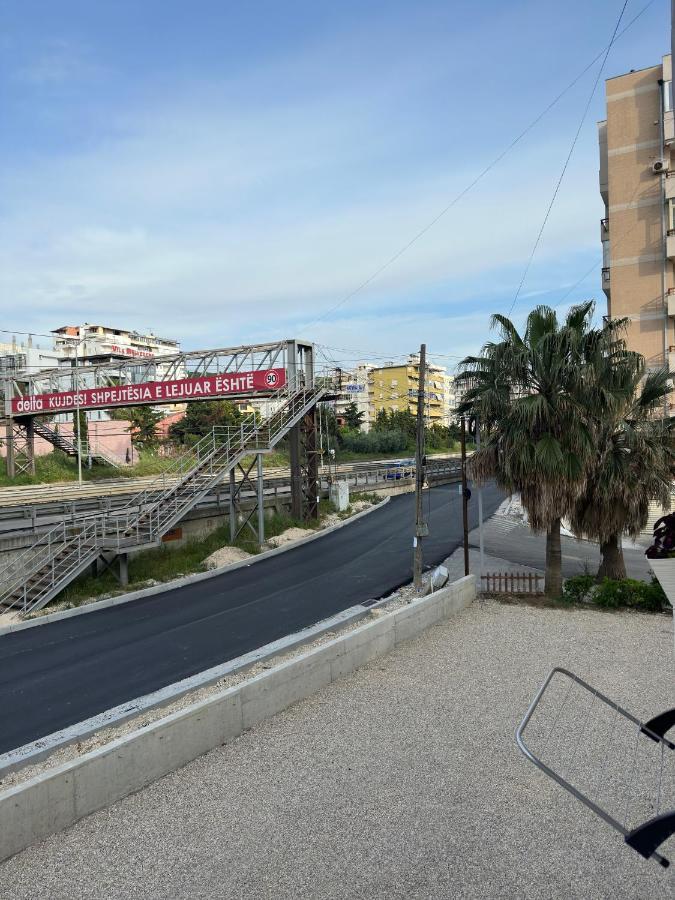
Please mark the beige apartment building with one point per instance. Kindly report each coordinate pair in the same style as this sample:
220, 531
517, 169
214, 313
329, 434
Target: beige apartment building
637, 184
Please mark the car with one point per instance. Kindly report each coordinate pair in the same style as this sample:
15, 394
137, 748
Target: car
404, 468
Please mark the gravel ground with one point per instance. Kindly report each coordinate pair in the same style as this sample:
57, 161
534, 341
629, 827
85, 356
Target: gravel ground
402, 781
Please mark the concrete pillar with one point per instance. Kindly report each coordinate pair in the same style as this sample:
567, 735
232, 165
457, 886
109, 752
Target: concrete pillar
124, 569
97, 567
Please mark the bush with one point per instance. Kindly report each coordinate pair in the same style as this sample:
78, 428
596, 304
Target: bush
610, 594
393, 441
579, 589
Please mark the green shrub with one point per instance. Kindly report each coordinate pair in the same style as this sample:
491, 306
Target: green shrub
628, 593
579, 589
394, 441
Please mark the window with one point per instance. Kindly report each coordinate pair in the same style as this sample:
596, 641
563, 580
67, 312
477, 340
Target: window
671, 215
667, 96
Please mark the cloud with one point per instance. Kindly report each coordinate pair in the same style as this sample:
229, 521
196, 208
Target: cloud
53, 62
216, 219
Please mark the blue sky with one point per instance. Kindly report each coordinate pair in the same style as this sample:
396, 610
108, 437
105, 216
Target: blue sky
226, 173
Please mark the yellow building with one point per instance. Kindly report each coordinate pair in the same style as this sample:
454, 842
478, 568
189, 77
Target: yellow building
394, 389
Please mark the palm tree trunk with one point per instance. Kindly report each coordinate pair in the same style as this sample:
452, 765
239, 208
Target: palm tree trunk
612, 564
553, 580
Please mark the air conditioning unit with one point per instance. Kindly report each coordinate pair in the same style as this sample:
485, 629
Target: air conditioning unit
658, 166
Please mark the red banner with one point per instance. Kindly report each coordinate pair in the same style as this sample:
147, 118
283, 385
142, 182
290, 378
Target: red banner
210, 387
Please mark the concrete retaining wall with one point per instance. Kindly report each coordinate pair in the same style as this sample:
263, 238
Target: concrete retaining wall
58, 798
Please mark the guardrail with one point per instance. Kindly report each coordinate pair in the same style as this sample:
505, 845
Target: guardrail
31, 517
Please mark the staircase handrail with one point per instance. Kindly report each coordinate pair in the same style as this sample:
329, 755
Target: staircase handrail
238, 442
87, 529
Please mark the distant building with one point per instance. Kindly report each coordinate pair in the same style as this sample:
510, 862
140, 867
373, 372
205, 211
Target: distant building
101, 344
637, 184
354, 389
25, 356
395, 388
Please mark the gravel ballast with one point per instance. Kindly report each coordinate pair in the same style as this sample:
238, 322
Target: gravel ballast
403, 780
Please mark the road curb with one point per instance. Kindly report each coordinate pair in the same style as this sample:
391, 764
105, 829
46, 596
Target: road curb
42, 748
188, 579
56, 799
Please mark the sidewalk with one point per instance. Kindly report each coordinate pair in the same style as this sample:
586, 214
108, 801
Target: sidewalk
506, 537
401, 781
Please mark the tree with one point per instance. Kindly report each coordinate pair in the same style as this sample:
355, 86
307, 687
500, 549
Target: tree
201, 416
142, 424
527, 393
353, 417
633, 460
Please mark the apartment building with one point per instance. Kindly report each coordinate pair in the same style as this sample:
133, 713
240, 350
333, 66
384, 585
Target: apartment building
637, 185
354, 389
17, 356
395, 388
102, 344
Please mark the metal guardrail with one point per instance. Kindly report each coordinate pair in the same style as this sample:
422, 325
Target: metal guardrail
31, 517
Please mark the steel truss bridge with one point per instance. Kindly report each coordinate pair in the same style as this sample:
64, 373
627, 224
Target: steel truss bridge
57, 557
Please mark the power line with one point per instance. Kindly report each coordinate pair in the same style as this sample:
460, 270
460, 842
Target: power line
484, 171
569, 156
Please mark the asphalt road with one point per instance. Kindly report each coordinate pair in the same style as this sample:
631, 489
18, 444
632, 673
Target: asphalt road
64, 672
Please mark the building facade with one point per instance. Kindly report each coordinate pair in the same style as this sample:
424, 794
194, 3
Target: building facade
637, 185
17, 356
394, 388
101, 344
354, 389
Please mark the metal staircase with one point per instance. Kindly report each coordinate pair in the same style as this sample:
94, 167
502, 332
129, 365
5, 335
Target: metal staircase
64, 552
67, 445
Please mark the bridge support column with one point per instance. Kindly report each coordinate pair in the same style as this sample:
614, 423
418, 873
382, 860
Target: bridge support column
233, 507
304, 468
123, 560
9, 447
256, 487
20, 441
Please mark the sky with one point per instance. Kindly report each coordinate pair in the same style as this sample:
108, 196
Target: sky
226, 173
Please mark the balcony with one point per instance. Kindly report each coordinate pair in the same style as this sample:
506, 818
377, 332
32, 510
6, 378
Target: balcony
670, 244
605, 280
670, 185
671, 301
604, 229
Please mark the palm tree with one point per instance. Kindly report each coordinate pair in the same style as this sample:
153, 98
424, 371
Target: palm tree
525, 392
633, 460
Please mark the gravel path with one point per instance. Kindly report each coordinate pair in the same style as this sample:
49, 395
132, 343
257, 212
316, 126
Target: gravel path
402, 781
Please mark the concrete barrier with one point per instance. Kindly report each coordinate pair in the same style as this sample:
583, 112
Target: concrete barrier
59, 797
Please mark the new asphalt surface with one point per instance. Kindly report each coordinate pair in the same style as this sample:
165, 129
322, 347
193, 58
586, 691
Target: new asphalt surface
57, 674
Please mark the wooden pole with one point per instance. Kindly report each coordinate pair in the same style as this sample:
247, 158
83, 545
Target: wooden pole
421, 528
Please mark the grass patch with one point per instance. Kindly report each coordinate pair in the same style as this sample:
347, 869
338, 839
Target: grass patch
57, 466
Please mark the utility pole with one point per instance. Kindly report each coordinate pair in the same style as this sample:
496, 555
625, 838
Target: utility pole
465, 500
480, 503
421, 527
